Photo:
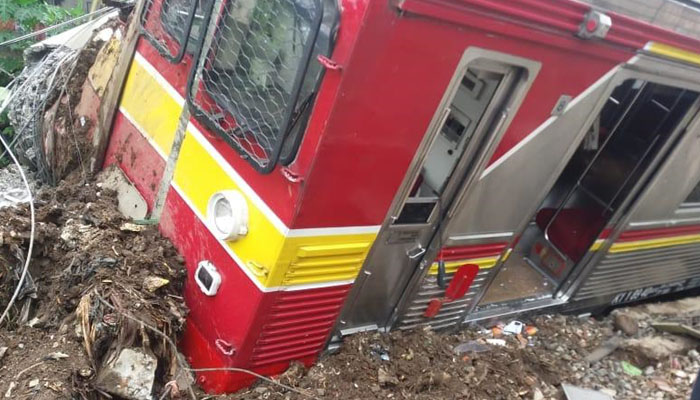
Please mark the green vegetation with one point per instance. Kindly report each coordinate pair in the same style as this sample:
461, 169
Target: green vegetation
19, 17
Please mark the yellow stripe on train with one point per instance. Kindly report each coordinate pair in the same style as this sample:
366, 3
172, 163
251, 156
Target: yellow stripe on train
150, 106
273, 258
451, 266
648, 244
672, 52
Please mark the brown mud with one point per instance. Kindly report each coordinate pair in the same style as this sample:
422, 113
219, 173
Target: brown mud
424, 365
89, 273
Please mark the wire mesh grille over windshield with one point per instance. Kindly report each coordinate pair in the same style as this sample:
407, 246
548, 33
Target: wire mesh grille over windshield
252, 71
167, 24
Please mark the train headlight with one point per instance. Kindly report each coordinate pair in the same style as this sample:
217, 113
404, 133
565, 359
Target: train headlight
227, 214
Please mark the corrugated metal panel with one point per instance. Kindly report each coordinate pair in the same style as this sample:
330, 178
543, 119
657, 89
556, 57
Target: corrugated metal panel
298, 325
328, 262
631, 270
450, 313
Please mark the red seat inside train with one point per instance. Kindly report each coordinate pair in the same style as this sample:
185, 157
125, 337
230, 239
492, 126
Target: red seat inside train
573, 230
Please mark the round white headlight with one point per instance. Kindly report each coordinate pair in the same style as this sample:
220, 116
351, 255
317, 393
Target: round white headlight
227, 213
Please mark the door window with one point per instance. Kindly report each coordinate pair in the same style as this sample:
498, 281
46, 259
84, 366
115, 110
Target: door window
635, 123
693, 199
474, 94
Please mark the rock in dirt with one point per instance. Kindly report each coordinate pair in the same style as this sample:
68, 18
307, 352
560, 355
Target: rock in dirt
386, 379
131, 204
660, 347
603, 350
57, 356
10, 388
131, 227
130, 375
153, 283
687, 306
626, 323
471, 346
537, 395
3, 351
579, 393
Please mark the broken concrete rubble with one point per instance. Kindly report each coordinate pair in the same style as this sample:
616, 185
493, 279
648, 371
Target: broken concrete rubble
102, 303
130, 375
90, 273
12, 188
131, 203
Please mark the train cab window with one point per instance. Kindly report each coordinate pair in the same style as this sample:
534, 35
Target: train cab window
254, 83
476, 90
693, 199
167, 24
174, 18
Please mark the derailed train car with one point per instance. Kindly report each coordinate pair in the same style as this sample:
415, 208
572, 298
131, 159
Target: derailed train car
329, 167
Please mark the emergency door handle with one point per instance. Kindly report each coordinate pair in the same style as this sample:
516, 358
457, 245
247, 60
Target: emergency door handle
416, 252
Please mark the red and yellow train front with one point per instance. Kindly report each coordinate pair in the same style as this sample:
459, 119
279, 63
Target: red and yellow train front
216, 145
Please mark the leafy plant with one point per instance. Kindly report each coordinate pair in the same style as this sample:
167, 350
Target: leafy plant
20, 17
7, 132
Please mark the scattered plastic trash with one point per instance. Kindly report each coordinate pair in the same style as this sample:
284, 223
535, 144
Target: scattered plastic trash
497, 331
578, 393
531, 330
513, 328
471, 346
630, 369
496, 342
12, 190
380, 352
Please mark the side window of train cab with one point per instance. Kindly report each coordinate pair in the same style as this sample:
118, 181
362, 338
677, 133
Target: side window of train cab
259, 76
692, 202
174, 19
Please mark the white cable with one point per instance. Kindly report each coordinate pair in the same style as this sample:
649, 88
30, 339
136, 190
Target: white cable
59, 25
31, 233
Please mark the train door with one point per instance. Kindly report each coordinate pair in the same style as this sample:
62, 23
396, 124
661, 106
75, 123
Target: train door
475, 110
639, 122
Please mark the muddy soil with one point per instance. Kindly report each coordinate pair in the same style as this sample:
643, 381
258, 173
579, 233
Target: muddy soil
72, 144
90, 271
424, 365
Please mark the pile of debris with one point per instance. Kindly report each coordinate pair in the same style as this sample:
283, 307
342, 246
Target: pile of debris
627, 355
54, 102
98, 312
101, 307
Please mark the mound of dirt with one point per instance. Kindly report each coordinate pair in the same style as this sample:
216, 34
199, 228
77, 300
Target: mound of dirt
426, 365
97, 284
